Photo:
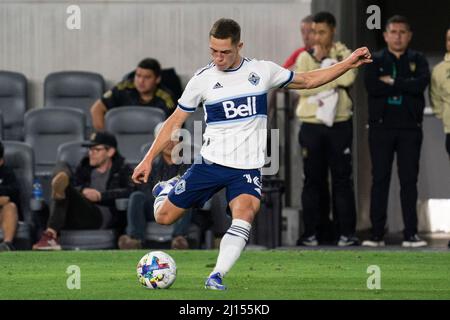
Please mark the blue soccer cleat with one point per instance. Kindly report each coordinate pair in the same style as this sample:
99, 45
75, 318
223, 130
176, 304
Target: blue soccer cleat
214, 282
162, 184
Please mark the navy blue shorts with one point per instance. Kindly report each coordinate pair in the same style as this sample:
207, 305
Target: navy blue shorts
201, 181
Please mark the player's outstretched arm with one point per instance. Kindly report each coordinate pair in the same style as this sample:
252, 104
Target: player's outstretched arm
316, 78
173, 123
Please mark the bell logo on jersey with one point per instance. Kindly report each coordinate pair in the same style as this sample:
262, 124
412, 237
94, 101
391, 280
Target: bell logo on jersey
243, 110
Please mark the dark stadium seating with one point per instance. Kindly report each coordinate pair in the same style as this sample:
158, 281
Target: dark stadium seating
1, 126
20, 157
88, 239
13, 103
47, 128
75, 89
71, 153
133, 126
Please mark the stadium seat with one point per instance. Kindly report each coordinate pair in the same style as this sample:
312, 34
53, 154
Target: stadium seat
133, 126
47, 128
157, 235
1, 126
75, 89
13, 103
88, 239
20, 157
71, 153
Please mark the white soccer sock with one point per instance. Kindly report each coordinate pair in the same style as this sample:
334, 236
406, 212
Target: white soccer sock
231, 246
161, 197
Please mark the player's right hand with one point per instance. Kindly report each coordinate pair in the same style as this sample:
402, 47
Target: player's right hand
359, 57
142, 172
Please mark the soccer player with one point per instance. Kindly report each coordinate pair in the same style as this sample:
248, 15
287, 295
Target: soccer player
233, 91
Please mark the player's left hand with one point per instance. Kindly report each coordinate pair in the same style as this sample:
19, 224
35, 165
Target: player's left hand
359, 57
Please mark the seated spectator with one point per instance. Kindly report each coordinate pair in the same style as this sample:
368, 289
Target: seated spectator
140, 205
9, 200
86, 199
144, 91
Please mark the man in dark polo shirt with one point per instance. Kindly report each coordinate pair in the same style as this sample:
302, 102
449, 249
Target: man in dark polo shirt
144, 90
395, 82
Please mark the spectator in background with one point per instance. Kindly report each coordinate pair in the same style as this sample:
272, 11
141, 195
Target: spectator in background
87, 199
326, 228
440, 92
144, 91
9, 201
326, 135
140, 205
395, 82
325, 232
307, 37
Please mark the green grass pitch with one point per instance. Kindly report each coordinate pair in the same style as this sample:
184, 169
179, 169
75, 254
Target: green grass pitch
271, 274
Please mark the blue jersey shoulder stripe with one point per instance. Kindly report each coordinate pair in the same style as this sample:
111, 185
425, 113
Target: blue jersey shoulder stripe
187, 109
291, 77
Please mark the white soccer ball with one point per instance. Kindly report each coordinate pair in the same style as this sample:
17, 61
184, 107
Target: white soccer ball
156, 270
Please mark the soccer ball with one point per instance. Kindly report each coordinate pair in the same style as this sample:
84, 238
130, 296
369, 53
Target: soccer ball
156, 270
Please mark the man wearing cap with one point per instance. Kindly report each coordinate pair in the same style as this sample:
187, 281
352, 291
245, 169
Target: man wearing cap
86, 200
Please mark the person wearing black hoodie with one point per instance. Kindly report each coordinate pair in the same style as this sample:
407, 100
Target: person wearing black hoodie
86, 200
9, 202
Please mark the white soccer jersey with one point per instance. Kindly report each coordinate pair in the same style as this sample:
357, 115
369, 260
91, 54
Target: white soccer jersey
235, 105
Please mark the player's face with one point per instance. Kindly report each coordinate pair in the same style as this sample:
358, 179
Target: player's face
397, 37
224, 53
447, 42
323, 34
145, 80
307, 33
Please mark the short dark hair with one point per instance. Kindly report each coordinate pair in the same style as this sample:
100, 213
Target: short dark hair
151, 64
2, 150
326, 17
226, 28
398, 19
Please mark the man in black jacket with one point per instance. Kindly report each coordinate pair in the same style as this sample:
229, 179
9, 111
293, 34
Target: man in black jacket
396, 81
9, 201
87, 201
